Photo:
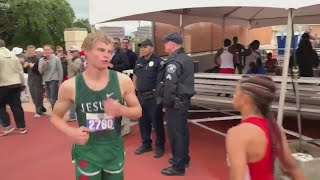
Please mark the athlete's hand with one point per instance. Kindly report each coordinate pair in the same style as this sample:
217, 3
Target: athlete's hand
113, 108
80, 135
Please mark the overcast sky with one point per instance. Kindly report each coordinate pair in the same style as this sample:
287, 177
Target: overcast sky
81, 10
80, 7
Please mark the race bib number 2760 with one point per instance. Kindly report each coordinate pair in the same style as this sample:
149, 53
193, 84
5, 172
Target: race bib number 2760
99, 122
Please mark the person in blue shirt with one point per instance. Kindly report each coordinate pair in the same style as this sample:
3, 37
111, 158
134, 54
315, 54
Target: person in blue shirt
256, 68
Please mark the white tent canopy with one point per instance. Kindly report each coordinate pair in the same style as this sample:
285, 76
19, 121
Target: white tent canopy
184, 12
243, 12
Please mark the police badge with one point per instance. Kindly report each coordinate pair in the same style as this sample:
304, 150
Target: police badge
151, 63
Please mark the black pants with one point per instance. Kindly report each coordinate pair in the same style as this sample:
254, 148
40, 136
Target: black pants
178, 133
11, 96
36, 91
239, 67
151, 116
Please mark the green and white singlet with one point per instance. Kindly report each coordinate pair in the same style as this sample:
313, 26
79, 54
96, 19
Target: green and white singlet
105, 148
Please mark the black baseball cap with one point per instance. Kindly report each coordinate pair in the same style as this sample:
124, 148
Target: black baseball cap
146, 43
173, 37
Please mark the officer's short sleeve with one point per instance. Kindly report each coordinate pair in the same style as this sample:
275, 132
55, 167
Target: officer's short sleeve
172, 74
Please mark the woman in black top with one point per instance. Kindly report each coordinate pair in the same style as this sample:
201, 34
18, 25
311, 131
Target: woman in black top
307, 57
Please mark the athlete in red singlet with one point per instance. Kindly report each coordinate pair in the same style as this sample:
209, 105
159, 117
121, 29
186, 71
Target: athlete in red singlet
261, 169
254, 144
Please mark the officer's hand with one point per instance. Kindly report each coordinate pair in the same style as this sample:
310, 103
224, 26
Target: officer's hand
31, 65
80, 135
113, 108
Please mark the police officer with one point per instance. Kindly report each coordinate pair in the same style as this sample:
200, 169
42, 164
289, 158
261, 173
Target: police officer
175, 90
145, 79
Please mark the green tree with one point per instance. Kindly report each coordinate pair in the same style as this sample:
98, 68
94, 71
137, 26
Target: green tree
82, 23
35, 22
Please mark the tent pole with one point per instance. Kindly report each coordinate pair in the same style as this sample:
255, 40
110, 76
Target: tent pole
153, 28
181, 25
285, 67
248, 34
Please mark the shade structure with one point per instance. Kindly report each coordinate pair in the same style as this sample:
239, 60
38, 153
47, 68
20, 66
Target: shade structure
181, 13
242, 12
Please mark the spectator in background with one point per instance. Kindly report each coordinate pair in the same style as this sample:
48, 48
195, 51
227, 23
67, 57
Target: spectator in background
19, 53
39, 52
228, 57
52, 73
75, 62
11, 84
75, 66
271, 63
64, 64
132, 56
253, 68
307, 57
34, 80
119, 61
256, 68
59, 52
311, 37
238, 48
260, 67
25, 94
83, 56
62, 56
251, 54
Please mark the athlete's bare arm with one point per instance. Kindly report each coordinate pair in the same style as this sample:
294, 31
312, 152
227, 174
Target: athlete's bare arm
236, 153
132, 110
65, 99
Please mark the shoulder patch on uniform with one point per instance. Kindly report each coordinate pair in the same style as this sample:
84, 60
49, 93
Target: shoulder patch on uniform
171, 68
169, 77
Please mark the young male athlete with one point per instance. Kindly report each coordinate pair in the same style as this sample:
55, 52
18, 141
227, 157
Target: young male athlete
99, 95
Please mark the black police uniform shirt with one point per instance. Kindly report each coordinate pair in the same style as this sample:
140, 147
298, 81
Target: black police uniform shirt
147, 72
176, 78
